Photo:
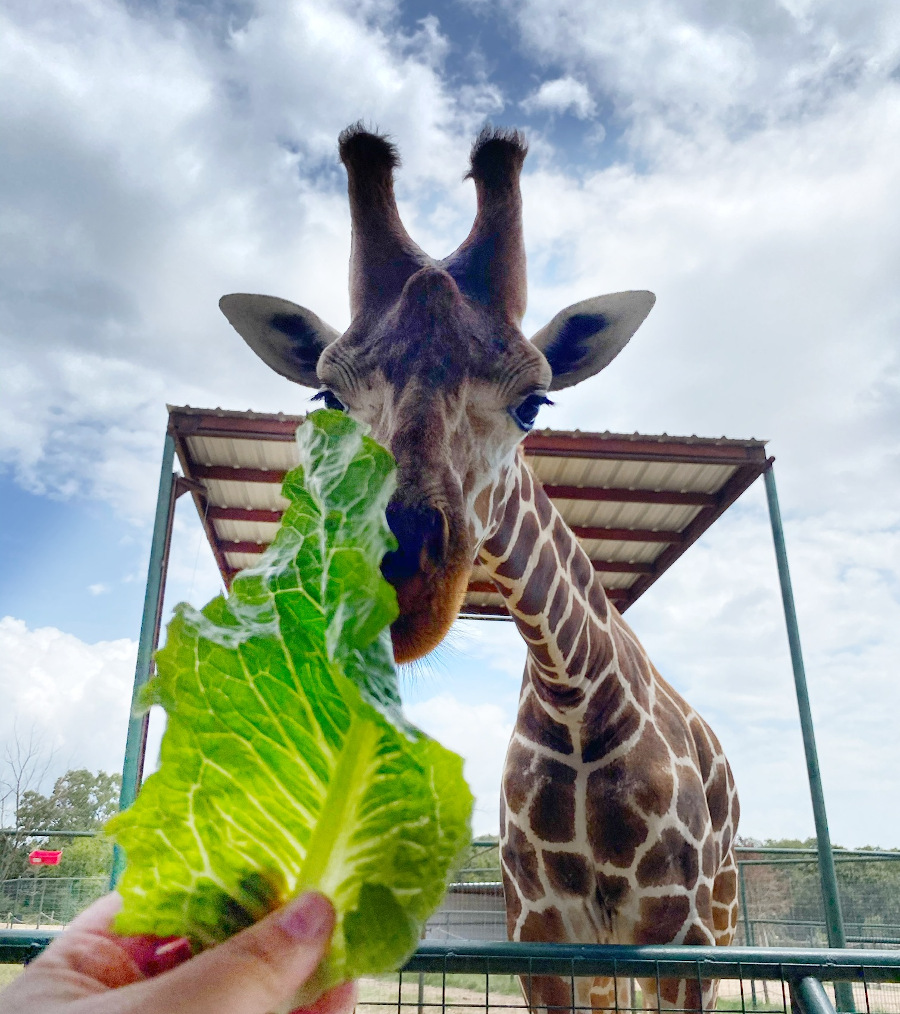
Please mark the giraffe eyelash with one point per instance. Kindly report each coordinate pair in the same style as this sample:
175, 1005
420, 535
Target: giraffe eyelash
525, 413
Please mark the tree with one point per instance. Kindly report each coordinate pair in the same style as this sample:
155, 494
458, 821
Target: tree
24, 766
79, 801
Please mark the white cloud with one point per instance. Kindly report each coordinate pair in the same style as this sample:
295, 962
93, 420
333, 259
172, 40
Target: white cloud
562, 95
667, 65
75, 696
480, 733
152, 165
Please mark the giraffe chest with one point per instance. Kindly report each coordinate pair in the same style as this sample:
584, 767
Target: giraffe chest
604, 810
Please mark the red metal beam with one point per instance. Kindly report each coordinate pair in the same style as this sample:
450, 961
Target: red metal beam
582, 531
625, 534
619, 447
244, 514
271, 476
662, 496
235, 425
227, 473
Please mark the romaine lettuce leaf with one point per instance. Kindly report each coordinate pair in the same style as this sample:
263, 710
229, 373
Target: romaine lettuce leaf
287, 763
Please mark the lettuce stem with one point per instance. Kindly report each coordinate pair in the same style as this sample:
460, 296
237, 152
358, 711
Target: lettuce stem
336, 823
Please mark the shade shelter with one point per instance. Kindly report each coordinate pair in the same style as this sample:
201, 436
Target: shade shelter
636, 503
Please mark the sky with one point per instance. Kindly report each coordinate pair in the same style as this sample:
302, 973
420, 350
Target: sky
738, 157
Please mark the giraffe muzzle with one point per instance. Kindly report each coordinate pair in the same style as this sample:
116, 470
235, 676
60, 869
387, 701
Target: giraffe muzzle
422, 537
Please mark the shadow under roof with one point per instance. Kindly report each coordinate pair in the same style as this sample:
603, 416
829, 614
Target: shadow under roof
636, 502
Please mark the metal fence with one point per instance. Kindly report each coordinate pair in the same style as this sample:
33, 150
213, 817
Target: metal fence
33, 902
780, 898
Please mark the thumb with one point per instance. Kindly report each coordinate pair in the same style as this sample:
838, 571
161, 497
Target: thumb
254, 970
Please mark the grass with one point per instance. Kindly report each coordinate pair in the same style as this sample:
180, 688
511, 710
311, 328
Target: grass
8, 973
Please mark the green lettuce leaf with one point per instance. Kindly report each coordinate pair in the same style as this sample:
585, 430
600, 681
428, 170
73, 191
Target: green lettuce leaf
287, 763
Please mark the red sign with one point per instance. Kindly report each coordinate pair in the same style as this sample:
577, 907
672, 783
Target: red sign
44, 857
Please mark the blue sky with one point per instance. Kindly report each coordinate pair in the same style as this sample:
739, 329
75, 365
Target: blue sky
738, 159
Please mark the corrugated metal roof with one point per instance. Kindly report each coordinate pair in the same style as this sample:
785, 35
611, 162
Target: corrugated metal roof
636, 502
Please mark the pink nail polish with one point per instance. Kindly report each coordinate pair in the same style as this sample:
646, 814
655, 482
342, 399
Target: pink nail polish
309, 917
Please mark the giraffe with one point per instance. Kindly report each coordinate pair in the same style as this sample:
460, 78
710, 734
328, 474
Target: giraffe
618, 807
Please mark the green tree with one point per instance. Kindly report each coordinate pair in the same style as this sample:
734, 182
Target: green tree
79, 801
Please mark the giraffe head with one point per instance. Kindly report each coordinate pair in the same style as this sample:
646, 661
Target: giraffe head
435, 363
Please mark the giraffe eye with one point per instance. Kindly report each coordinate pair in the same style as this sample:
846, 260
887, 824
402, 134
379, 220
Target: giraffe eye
330, 400
526, 411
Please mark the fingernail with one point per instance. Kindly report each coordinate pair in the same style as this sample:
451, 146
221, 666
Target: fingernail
308, 917
171, 954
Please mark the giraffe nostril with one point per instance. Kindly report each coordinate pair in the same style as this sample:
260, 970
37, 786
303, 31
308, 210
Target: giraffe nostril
420, 532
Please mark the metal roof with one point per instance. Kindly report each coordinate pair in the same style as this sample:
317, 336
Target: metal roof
636, 502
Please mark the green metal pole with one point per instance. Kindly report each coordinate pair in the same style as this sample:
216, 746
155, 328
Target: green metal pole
136, 741
834, 921
748, 929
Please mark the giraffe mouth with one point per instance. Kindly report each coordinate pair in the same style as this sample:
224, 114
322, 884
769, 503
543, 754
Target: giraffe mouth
429, 603
429, 570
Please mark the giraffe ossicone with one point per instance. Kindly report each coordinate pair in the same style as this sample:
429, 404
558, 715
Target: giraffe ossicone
618, 807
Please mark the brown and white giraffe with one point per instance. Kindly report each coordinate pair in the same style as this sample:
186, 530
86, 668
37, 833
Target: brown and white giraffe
618, 806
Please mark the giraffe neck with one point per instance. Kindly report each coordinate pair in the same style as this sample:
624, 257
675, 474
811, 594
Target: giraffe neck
550, 587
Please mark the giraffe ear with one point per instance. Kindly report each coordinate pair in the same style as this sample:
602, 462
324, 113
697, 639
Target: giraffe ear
287, 337
587, 336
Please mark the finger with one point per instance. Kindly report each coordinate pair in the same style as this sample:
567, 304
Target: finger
97, 918
154, 955
339, 1000
253, 971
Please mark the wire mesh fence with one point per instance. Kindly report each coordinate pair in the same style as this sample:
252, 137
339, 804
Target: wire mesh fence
494, 976
33, 902
780, 898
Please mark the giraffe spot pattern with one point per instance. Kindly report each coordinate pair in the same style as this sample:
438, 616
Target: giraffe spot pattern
567, 872
597, 601
671, 860
516, 788
546, 925
609, 721
565, 636
703, 904
717, 797
709, 857
559, 697
610, 891
704, 750
513, 567
512, 901
655, 784
660, 919
691, 807
673, 728
552, 813
535, 724
547, 993
521, 860
614, 829
534, 597
557, 606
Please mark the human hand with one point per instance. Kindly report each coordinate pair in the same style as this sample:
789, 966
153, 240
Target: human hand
90, 970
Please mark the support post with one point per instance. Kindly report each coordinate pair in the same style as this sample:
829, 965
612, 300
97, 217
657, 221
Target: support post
834, 921
748, 928
136, 741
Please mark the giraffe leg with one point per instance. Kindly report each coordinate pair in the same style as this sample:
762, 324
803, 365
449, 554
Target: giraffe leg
679, 994
550, 994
